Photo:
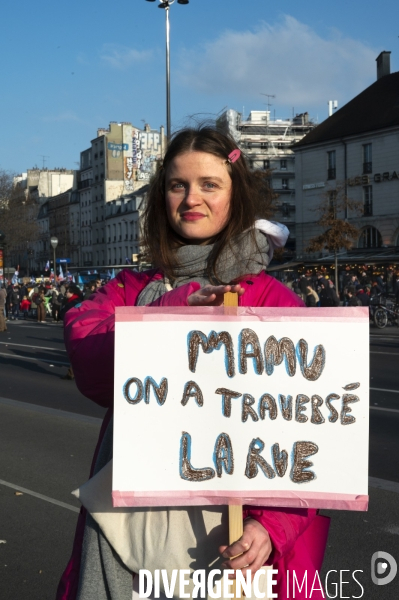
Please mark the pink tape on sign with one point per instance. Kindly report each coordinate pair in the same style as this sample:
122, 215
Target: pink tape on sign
234, 155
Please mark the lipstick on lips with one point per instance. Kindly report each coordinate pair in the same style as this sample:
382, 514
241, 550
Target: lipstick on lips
192, 216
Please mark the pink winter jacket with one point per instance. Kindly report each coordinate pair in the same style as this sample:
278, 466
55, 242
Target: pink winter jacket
298, 536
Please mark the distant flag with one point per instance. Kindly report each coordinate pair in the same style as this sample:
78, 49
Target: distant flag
80, 280
73, 279
61, 277
47, 267
95, 272
113, 274
128, 261
109, 274
32, 279
89, 272
51, 275
14, 279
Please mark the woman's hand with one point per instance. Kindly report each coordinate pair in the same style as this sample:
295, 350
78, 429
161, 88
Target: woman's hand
213, 295
254, 548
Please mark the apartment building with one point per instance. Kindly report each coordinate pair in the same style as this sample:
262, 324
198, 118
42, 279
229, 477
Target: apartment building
267, 144
357, 150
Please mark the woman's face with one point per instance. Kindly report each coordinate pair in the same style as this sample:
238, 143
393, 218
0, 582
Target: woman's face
198, 194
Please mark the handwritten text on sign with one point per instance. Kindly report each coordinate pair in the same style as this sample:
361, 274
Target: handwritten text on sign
207, 410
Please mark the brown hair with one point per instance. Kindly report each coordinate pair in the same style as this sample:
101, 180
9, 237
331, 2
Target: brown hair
250, 199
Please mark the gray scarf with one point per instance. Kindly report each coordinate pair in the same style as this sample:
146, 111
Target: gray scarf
243, 257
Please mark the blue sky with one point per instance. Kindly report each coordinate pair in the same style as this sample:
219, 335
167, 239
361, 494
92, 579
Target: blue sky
69, 68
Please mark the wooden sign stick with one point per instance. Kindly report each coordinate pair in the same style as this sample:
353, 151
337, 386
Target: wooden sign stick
236, 527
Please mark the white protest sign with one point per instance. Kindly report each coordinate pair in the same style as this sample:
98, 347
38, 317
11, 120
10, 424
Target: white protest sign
261, 406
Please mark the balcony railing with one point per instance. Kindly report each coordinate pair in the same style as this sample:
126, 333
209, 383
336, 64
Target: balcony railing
84, 184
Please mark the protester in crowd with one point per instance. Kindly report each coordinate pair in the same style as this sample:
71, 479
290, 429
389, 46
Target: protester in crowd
312, 297
297, 291
89, 290
98, 283
3, 297
326, 294
362, 296
334, 294
25, 307
24, 290
40, 306
352, 299
364, 279
56, 299
375, 290
14, 302
303, 284
73, 297
380, 283
9, 290
200, 231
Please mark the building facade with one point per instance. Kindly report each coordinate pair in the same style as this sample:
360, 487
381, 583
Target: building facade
119, 162
354, 152
267, 144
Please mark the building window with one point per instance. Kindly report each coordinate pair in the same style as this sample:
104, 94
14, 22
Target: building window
266, 164
331, 165
285, 184
367, 200
367, 158
370, 238
263, 144
283, 165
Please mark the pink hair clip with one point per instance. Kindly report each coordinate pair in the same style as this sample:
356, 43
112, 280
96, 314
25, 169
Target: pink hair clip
234, 156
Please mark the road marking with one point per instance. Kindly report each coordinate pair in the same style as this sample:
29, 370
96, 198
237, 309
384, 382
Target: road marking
18, 488
394, 410
54, 412
35, 326
37, 347
53, 362
384, 390
384, 484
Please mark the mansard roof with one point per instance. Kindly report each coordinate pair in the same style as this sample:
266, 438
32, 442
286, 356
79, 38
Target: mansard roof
374, 109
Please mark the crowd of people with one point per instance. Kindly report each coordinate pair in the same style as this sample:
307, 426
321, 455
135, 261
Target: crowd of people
356, 289
47, 300
51, 300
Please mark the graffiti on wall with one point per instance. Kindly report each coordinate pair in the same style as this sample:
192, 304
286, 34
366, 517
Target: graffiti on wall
140, 163
129, 173
147, 149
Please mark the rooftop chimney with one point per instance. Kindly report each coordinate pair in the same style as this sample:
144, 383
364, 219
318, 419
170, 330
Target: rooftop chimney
383, 64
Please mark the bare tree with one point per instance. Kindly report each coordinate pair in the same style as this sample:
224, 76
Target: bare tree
338, 232
18, 217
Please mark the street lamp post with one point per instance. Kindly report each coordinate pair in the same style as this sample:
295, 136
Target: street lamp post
166, 4
54, 243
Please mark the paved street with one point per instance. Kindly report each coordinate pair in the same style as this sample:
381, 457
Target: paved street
48, 431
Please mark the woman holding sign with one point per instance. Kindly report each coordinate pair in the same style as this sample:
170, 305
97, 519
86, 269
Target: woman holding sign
205, 232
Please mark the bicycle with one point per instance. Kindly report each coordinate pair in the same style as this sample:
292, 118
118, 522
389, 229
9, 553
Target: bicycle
386, 314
